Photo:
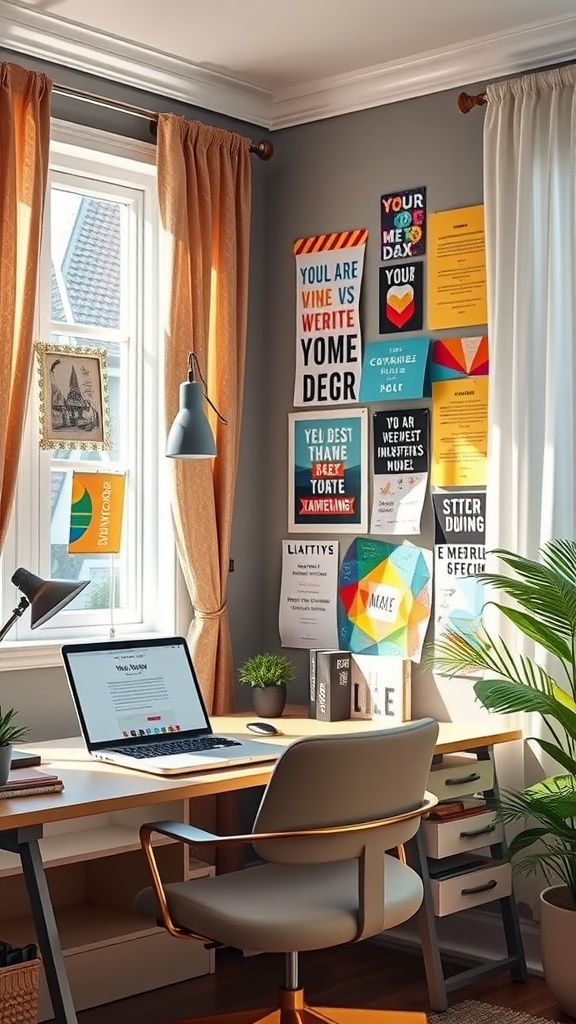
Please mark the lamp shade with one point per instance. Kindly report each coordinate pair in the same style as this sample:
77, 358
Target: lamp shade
190, 436
46, 597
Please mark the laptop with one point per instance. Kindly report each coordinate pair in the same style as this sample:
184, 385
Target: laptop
139, 705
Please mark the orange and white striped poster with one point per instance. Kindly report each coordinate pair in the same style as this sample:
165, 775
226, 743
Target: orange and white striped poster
328, 337
96, 513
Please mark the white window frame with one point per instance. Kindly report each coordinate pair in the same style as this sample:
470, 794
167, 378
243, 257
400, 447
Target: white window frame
81, 151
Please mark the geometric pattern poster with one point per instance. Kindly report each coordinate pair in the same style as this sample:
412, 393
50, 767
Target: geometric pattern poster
328, 336
459, 555
328, 472
458, 358
96, 513
400, 453
384, 598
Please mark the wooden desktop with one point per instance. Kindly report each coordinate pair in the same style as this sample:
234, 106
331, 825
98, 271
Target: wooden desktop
105, 805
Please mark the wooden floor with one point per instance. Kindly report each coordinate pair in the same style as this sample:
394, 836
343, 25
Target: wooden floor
365, 975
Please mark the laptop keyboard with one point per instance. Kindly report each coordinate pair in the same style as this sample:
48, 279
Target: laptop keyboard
191, 746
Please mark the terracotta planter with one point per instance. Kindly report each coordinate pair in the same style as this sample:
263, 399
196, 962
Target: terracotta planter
5, 759
558, 939
269, 701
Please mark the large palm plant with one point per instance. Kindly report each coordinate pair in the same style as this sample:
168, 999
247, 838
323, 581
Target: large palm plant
542, 606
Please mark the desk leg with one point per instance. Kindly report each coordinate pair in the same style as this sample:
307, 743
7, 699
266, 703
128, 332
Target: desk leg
437, 992
24, 842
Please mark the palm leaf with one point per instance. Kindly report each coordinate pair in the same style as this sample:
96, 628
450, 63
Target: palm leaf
509, 696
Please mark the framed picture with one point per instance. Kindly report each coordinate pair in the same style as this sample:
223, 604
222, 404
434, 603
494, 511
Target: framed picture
327, 472
74, 402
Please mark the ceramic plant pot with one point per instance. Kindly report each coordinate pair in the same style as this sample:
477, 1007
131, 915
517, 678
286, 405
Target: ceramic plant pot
269, 701
558, 939
5, 759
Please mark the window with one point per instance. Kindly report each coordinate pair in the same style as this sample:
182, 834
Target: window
98, 288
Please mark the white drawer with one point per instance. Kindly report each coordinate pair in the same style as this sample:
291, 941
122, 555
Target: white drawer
471, 889
457, 775
443, 838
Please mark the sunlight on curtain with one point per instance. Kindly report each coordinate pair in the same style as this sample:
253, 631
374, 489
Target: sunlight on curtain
530, 219
24, 148
204, 194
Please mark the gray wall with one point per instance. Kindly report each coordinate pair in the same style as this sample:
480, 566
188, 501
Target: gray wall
329, 176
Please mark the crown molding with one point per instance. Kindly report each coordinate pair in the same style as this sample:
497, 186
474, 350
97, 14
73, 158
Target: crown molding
48, 37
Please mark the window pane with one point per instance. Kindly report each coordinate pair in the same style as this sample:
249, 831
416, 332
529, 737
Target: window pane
87, 236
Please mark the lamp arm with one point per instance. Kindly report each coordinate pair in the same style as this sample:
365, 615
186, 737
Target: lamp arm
24, 603
193, 362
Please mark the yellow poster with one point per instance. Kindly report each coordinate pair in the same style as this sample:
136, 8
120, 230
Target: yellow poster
456, 269
96, 513
459, 432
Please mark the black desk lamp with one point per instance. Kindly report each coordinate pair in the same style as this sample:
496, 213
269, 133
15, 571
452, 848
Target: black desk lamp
45, 598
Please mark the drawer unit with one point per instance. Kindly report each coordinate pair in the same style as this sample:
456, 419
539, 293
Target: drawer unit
458, 775
471, 888
472, 832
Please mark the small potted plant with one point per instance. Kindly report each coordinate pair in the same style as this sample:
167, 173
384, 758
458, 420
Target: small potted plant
9, 734
267, 674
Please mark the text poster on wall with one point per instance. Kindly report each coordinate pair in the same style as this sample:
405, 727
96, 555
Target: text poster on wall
394, 370
400, 448
403, 224
327, 472
456, 269
328, 336
401, 298
457, 358
384, 598
459, 432
308, 594
458, 558
96, 513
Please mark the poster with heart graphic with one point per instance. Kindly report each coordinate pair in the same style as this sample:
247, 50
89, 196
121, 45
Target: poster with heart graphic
401, 298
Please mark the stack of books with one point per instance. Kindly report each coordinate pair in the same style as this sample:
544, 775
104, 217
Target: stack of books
30, 782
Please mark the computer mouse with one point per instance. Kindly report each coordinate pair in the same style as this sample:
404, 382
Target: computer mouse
264, 728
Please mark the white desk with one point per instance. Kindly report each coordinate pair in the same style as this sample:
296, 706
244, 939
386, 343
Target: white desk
93, 788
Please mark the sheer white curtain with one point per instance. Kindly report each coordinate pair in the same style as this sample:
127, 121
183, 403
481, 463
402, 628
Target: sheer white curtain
530, 217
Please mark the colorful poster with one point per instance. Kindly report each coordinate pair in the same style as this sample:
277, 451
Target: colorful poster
308, 594
459, 432
458, 358
400, 447
385, 596
460, 517
403, 223
96, 513
458, 594
394, 370
327, 472
401, 298
456, 269
328, 338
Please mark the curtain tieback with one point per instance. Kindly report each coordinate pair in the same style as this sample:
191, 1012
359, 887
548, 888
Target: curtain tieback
199, 614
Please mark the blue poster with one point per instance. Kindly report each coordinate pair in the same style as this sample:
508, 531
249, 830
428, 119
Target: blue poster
328, 473
394, 370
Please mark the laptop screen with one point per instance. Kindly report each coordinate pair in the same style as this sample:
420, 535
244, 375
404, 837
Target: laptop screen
126, 690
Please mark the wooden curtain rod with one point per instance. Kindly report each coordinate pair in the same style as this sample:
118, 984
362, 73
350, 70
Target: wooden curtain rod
264, 149
466, 102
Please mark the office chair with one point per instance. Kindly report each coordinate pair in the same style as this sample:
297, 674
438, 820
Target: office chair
332, 807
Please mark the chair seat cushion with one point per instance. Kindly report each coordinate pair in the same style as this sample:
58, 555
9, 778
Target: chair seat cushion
284, 907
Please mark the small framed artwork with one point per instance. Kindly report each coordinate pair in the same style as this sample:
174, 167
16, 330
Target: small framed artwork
74, 401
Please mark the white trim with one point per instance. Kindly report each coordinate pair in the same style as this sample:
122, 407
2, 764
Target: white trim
48, 37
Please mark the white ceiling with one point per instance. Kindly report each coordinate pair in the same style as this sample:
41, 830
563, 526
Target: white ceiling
297, 58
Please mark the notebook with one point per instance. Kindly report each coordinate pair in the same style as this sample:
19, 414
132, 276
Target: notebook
139, 705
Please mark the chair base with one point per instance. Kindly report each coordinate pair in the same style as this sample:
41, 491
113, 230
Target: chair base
292, 1009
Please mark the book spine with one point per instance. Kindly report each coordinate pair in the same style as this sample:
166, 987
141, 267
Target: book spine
312, 684
54, 787
333, 686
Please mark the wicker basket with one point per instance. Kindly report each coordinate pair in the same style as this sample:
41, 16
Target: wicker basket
19, 993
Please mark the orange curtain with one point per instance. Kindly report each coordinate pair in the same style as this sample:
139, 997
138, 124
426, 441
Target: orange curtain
204, 193
24, 150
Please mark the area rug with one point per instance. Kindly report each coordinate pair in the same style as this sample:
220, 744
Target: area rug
472, 1012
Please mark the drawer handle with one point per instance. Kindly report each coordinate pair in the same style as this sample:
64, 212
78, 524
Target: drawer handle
480, 888
478, 832
473, 777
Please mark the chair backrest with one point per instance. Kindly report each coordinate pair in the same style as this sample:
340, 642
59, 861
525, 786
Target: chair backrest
326, 781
